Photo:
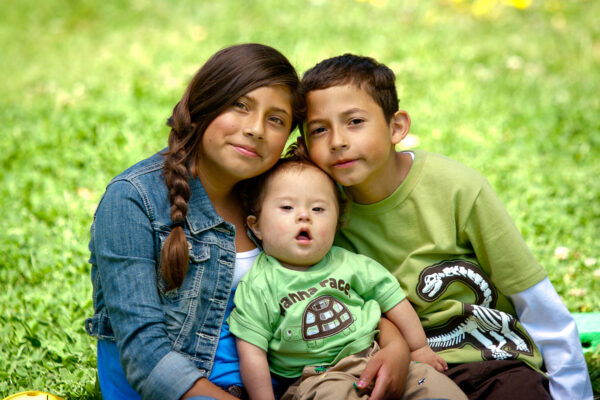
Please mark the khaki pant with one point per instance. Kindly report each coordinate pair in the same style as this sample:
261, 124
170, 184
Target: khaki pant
337, 381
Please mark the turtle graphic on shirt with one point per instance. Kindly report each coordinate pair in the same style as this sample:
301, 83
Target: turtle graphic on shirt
323, 317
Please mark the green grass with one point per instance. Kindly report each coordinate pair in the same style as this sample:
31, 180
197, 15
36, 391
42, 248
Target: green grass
87, 86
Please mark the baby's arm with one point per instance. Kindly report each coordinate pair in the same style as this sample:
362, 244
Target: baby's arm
254, 368
406, 319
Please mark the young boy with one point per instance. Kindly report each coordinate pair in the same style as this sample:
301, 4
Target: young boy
306, 303
485, 302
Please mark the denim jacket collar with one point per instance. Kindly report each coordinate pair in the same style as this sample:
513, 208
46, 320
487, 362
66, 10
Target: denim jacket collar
201, 214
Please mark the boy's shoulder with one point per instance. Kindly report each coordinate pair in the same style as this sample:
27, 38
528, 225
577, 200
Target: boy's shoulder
445, 169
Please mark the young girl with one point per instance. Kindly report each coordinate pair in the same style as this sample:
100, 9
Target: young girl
168, 243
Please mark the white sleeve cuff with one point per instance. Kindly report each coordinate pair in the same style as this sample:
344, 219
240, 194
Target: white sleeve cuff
553, 329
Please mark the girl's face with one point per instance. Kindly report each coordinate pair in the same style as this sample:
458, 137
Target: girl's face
247, 138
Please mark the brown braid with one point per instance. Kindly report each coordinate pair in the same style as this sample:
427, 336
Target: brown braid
224, 78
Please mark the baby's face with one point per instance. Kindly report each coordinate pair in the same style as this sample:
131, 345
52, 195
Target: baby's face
299, 217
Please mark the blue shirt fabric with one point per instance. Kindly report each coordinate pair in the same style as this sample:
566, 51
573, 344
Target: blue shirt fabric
226, 370
166, 339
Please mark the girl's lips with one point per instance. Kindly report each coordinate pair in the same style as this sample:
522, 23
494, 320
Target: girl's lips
344, 163
246, 150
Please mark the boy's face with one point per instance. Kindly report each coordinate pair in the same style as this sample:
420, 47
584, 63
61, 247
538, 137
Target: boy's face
349, 137
299, 216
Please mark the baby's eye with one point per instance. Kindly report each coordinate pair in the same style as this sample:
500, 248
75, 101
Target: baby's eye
286, 208
318, 209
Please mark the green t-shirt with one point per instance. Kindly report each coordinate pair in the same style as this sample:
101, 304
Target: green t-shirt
457, 254
312, 317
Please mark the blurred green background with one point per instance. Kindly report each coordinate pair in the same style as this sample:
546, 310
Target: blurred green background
508, 87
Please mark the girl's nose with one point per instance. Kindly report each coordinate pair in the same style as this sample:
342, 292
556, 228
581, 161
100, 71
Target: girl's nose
254, 127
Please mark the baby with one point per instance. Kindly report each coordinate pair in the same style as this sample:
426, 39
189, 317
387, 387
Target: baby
310, 310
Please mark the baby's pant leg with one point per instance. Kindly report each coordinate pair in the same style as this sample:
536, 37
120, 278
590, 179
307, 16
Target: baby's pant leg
333, 382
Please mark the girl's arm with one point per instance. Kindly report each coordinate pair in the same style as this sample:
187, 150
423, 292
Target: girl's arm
389, 366
254, 368
405, 318
552, 328
123, 248
204, 387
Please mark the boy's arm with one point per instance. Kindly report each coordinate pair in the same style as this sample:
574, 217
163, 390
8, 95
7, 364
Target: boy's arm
389, 366
406, 319
254, 368
552, 328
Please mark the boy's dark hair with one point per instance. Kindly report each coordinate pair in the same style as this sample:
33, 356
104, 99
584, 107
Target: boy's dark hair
227, 75
252, 191
365, 72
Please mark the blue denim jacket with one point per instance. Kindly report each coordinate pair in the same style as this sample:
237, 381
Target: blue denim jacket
166, 339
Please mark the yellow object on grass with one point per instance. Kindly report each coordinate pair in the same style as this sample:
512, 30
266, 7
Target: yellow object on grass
33, 395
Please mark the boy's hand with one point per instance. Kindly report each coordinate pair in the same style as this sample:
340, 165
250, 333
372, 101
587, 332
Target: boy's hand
426, 355
384, 368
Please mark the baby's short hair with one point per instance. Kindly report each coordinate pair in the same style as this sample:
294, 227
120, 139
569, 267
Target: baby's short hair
252, 191
365, 72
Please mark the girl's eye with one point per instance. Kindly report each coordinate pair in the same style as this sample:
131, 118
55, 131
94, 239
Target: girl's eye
278, 121
240, 105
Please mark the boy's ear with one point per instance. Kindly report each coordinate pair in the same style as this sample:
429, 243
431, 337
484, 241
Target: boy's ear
252, 223
399, 126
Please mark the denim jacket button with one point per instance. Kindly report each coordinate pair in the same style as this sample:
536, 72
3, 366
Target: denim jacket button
189, 246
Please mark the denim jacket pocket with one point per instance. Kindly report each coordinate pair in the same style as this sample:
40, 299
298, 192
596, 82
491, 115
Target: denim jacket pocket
176, 302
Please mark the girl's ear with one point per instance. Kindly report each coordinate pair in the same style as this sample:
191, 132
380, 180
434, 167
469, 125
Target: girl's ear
399, 126
252, 223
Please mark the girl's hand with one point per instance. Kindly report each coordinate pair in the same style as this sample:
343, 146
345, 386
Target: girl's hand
389, 366
426, 355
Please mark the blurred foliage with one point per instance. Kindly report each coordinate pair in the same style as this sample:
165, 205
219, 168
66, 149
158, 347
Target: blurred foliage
508, 87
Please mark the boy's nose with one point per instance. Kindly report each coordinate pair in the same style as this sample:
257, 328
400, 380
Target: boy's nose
338, 141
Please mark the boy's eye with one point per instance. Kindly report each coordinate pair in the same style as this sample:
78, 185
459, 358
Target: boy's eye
317, 131
356, 121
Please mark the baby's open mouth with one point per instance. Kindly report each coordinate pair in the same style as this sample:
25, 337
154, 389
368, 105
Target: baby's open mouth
303, 235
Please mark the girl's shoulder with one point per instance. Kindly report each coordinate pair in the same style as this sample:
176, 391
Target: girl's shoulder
151, 165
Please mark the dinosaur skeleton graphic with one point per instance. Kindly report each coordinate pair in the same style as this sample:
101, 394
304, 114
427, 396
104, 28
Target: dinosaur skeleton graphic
492, 331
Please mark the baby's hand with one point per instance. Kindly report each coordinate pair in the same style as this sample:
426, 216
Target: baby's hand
426, 355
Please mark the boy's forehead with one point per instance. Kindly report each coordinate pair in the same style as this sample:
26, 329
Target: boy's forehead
342, 97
